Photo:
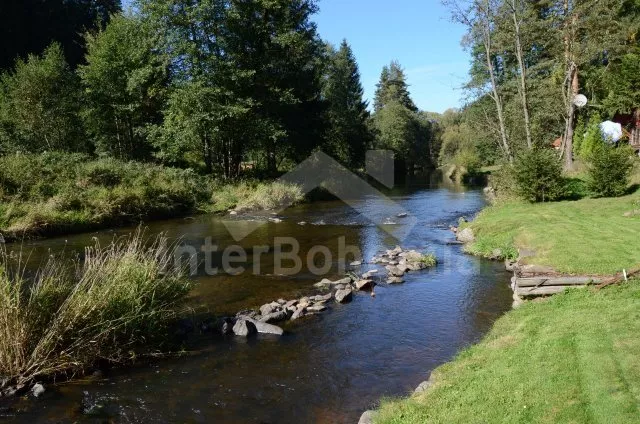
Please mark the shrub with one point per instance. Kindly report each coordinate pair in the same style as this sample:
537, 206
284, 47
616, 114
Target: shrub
538, 176
592, 139
267, 196
610, 170
119, 301
503, 182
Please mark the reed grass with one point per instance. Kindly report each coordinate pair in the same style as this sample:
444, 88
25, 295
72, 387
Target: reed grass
116, 303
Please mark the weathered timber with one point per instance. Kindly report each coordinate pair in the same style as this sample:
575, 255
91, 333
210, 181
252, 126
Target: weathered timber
543, 281
534, 270
542, 291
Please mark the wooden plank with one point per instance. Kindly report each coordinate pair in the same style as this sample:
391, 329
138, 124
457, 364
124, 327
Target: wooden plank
533, 270
555, 281
543, 291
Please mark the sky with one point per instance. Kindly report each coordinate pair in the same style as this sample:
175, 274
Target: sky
417, 33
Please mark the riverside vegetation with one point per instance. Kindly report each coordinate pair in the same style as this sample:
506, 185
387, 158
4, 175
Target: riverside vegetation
115, 304
51, 193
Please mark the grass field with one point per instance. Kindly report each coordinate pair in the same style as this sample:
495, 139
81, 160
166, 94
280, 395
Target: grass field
571, 359
590, 236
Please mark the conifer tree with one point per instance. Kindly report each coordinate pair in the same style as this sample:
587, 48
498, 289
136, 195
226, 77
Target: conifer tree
348, 135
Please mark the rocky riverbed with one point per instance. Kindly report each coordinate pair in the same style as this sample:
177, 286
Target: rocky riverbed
397, 262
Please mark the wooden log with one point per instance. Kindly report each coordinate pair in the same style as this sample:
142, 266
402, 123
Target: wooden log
555, 281
524, 269
543, 291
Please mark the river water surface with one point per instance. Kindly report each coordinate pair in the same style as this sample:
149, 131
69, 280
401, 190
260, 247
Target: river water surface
327, 368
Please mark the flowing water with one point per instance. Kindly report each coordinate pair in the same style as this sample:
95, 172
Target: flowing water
327, 368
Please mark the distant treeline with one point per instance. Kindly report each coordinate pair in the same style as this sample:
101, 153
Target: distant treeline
530, 59
222, 86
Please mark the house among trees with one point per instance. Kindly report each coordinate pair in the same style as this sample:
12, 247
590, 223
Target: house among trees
631, 125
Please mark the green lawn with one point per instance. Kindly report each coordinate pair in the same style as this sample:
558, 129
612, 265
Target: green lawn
571, 359
586, 236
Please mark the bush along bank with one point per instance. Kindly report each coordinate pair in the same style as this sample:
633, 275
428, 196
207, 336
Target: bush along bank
115, 305
56, 193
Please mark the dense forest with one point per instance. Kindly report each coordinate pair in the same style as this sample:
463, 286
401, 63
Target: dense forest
235, 88
225, 87
530, 59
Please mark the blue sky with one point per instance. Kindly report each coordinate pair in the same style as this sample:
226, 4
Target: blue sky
417, 33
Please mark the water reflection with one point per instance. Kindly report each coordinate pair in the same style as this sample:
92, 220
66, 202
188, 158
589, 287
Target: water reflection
325, 369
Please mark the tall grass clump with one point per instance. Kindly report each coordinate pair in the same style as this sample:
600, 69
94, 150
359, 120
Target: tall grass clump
115, 304
249, 196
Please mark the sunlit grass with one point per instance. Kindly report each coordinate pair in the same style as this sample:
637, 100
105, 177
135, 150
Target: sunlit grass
572, 359
587, 236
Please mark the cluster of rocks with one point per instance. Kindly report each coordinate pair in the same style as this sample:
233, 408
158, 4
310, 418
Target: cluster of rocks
264, 320
249, 322
9, 390
398, 262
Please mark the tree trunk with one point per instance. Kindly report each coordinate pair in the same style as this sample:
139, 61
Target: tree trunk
208, 162
573, 86
487, 41
498, 102
523, 74
573, 91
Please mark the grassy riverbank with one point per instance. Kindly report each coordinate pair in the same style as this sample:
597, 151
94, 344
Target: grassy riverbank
592, 236
53, 194
114, 305
572, 358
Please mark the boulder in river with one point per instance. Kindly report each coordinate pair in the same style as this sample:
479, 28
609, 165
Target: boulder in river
299, 313
364, 284
356, 263
275, 316
345, 280
318, 307
37, 390
264, 328
466, 235
395, 280
244, 328
267, 308
321, 298
367, 417
291, 303
395, 271
344, 296
369, 274
324, 283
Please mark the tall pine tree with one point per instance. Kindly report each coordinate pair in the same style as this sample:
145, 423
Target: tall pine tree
393, 87
348, 135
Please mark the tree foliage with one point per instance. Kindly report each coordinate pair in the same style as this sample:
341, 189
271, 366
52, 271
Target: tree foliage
124, 82
610, 170
538, 176
398, 124
40, 104
348, 135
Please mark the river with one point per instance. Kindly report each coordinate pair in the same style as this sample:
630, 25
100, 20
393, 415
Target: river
327, 368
